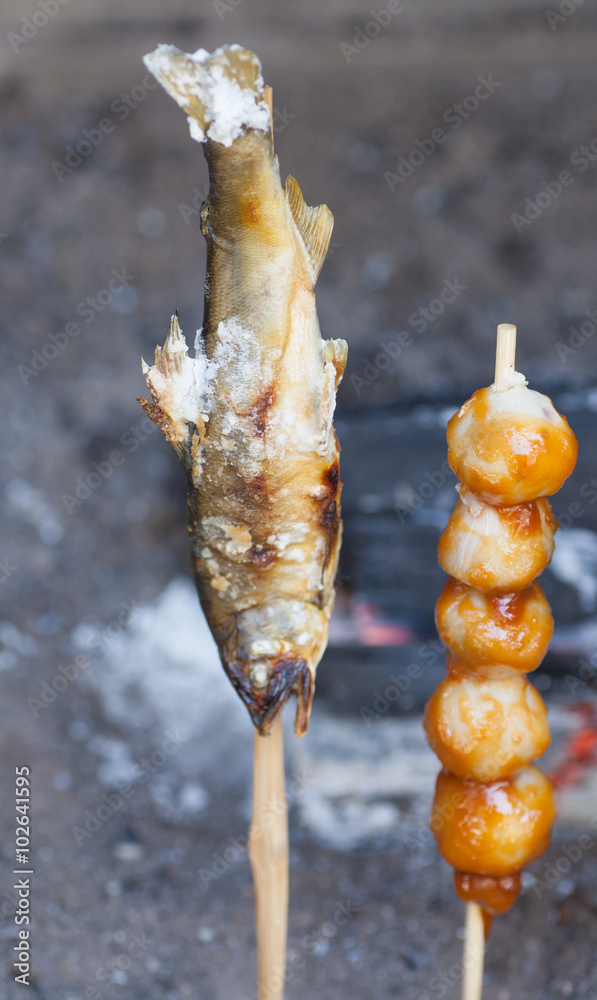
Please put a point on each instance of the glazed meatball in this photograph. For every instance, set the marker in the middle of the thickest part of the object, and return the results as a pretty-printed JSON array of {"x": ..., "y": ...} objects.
[
  {"x": 497, "y": 548},
  {"x": 509, "y": 444},
  {"x": 513, "y": 629},
  {"x": 487, "y": 724},
  {"x": 493, "y": 828},
  {"x": 495, "y": 895}
]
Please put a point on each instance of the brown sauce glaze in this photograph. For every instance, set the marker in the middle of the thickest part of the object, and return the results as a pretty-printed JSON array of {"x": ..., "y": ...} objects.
[
  {"x": 496, "y": 895},
  {"x": 524, "y": 518},
  {"x": 493, "y": 828},
  {"x": 509, "y": 457},
  {"x": 483, "y": 628}
]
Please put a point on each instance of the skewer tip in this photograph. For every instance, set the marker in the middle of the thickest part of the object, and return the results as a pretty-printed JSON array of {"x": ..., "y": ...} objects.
[{"x": 505, "y": 352}]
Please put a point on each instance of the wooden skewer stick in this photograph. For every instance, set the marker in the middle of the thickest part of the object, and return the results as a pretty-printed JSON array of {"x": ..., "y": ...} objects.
[
  {"x": 474, "y": 939},
  {"x": 473, "y": 954},
  {"x": 505, "y": 352},
  {"x": 268, "y": 852},
  {"x": 268, "y": 838}
]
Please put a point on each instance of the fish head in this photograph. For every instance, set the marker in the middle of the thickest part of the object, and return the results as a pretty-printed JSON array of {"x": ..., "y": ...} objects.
[{"x": 271, "y": 653}]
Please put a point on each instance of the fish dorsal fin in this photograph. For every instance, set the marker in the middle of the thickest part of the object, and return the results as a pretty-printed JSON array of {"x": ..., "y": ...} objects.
[{"x": 314, "y": 224}]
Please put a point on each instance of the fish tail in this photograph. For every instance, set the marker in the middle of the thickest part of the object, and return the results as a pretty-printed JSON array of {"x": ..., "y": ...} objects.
[{"x": 223, "y": 94}]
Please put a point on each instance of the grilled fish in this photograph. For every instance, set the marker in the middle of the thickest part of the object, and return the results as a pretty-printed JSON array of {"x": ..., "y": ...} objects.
[{"x": 250, "y": 416}]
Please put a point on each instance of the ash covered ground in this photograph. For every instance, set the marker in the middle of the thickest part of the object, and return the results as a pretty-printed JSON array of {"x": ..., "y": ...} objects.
[{"x": 150, "y": 895}]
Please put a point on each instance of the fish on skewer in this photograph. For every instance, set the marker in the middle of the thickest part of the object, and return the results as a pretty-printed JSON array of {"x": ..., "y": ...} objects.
[{"x": 250, "y": 415}]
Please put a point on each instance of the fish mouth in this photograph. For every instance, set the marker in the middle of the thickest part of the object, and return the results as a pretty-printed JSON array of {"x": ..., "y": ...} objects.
[{"x": 285, "y": 676}]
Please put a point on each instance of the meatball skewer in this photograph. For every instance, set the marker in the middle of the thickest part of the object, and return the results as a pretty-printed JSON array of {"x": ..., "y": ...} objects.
[{"x": 493, "y": 809}]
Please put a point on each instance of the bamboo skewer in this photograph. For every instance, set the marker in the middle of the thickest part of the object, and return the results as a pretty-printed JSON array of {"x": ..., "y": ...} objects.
[
  {"x": 474, "y": 953},
  {"x": 268, "y": 852},
  {"x": 474, "y": 940},
  {"x": 268, "y": 839},
  {"x": 505, "y": 352}
]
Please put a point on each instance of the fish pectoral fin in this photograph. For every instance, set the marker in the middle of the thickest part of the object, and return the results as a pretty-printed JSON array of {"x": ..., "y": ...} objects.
[
  {"x": 176, "y": 383},
  {"x": 170, "y": 431},
  {"x": 314, "y": 224},
  {"x": 336, "y": 351}
]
